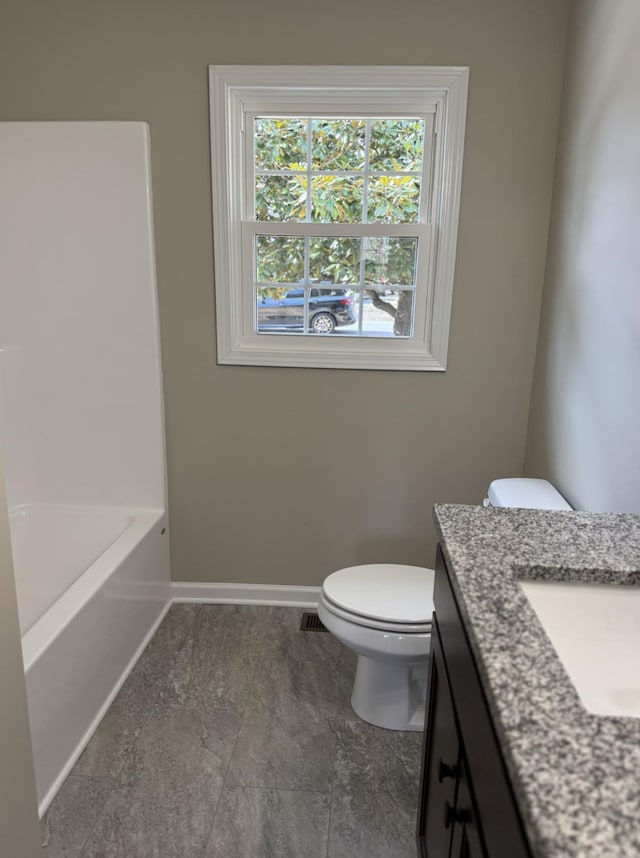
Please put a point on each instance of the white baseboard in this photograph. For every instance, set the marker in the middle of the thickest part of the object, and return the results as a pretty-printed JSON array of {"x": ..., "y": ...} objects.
[{"x": 246, "y": 594}]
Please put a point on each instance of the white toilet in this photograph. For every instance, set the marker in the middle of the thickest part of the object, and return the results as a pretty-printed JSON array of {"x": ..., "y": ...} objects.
[{"x": 383, "y": 613}]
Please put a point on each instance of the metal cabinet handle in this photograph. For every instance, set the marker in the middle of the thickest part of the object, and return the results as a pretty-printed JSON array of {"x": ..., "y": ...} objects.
[
  {"x": 455, "y": 814},
  {"x": 446, "y": 770}
]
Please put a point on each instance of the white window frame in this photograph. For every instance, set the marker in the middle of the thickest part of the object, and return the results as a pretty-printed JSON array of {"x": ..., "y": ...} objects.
[{"x": 237, "y": 93}]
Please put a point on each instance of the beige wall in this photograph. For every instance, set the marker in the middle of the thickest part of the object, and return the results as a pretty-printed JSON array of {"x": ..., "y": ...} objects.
[
  {"x": 282, "y": 475},
  {"x": 19, "y": 834},
  {"x": 585, "y": 416}
]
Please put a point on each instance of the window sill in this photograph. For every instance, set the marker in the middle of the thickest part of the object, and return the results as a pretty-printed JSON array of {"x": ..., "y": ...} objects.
[{"x": 320, "y": 352}]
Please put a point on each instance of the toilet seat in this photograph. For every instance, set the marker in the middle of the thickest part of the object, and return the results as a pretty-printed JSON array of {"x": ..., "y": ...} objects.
[
  {"x": 385, "y": 596},
  {"x": 369, "y": 623}
]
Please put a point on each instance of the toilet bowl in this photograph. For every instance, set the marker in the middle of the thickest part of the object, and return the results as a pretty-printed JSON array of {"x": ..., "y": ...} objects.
[{"x": 383, "y": 613}]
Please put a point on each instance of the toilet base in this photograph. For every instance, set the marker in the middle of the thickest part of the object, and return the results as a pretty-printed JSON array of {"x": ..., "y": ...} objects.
[{"x": 390, "y": 695}]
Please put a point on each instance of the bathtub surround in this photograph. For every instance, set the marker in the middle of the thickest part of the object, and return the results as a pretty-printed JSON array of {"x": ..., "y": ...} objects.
[
  {"x": 81, "y": 420},
  {"x": 233, "y": 736}
]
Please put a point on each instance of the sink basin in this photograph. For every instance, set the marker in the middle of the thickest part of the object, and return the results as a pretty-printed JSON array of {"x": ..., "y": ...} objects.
[{"x": 595, "y": 630}]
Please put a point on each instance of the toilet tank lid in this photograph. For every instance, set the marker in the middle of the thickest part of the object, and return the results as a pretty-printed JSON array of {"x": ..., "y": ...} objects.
[{"x": 526, "y": 493}]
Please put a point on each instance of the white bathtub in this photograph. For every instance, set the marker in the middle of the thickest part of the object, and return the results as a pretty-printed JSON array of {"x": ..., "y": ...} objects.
[{"x": 93, "y": 585}]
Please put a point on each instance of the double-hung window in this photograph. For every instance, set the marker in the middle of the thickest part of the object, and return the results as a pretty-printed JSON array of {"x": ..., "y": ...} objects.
[{"x": 335, "y": 208}]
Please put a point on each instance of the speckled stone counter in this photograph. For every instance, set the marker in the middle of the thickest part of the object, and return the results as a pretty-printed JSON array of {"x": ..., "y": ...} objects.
[{"x": 576, "y": 776}]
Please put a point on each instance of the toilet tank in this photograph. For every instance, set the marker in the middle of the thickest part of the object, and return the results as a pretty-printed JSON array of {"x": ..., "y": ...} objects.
[{"x": 525, "y": 493}]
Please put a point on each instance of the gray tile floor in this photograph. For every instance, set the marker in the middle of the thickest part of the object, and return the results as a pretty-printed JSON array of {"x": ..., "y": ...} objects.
[{"x": 233, "y": 736}]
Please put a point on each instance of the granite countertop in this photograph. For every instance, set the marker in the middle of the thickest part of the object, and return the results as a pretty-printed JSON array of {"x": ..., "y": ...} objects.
[{"x": 576, "y": 776}]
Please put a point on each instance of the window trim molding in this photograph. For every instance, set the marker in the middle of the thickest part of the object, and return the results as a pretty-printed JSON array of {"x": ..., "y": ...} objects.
[{"x": 234, "y": 91}]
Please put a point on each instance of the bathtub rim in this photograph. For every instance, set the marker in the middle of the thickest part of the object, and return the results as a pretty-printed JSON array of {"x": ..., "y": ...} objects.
[
  {"x": 19, "y": 515},
  {"x": 44, "y": 632}
]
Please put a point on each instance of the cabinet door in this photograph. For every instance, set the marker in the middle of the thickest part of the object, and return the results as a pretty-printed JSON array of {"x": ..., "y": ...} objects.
[
  {"x": 440, "y": 761},
  {"x": 466, "y": 840},
  {"x": 488, "y": 781}
]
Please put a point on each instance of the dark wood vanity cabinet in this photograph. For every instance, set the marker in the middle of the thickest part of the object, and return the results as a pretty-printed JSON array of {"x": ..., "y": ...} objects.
[{"x": 467, "y": 808}]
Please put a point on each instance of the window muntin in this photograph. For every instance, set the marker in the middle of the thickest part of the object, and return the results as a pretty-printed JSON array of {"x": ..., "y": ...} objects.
[{"x": 296, "y": 94}]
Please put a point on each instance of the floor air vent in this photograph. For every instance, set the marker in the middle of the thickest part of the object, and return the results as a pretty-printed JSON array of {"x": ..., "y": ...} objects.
[{"x": 311, "y": 623}]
